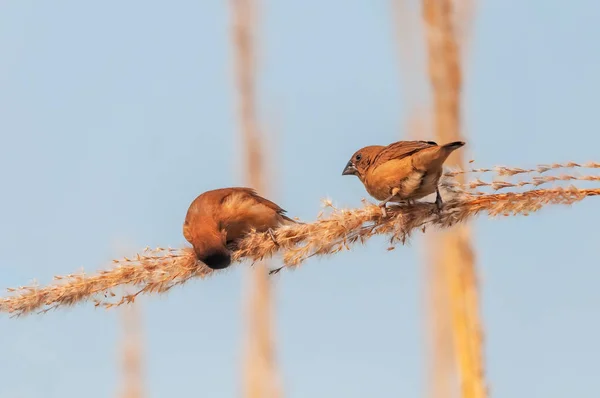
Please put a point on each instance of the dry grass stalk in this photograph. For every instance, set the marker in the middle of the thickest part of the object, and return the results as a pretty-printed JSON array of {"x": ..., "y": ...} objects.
[
  {"x": 442, "y": 363},
  {"x": 502, "y": 173},
  {"x": 512, "y": 171},
  {"x": 534, "y": 182},
  {"x": 439, "y": 326},
  {"x": 132, "y": 353},
  {"x": 260, "y": 372},
  {"x": 455, "y": 257},
  {"x": 464, "y": 12},
  {"x": 441, "y": 268},
  {"x": 410, "y": 52},
  {"x": 158, "y": 270},
  {"x": 259, "y": 367},
  {"x": 243, "y": 32},
  {"x": 418, "y": 126}
]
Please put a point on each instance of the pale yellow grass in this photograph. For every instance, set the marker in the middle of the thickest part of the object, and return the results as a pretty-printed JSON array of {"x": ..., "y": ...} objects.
[
  {"x": 454, "y": 275},
  {"x": 412, "y": 61},
  {"x": 260, "y": 373},
  {"x": 438, "y": 328},
  {"x": 132, "y": 361},
  {"x": 159, "y": 270},
  {"x": 502, "y": 171}
]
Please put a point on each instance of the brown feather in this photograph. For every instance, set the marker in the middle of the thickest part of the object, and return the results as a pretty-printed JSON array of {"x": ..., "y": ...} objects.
[
  {"x": 409, "y": 170},
  {"x": 217, "y": 219},
  {"x": 401, "y": 149}
]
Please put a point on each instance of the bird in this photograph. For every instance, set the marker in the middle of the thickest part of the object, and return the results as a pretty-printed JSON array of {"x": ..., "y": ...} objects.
[
  {"x": 401, "y": 171},
  {"x": 217, "y": 219}
]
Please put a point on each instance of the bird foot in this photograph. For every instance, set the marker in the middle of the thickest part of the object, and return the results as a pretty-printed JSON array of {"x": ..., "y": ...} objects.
[
  {"x": 384, "y": 203},
  {"x": 383, "y": 209},
  {"x": 272, "y": 236},
  {"x": 438, "y": 203},
  {"x": 275, "y": 271},
  {"x": 409, "y": 202}
]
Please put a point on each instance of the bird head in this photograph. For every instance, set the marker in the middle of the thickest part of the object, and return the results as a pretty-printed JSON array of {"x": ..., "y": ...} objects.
[
  {"x": 215, "y": 257},
  {"x": 210, "y": 245},
  {"x": 361, "y": 160}
]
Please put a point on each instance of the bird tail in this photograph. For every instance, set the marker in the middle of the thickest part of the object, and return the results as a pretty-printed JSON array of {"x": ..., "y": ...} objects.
[
  {"x": 435, "y": 156},
  {"x": 289, "y": 221},
  {"x": 452, "y": 146}
]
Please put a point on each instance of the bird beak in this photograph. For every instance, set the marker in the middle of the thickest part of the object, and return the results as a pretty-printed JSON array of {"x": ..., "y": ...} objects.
[{"x": 350, "y": 169}]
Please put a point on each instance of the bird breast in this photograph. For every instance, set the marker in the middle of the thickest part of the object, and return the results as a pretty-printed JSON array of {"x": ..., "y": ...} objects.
[{"x": 412, "y": 183}]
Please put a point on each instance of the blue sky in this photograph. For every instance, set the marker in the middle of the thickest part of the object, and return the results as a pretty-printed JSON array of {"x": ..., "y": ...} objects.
[{"x": 114, "y": 116}]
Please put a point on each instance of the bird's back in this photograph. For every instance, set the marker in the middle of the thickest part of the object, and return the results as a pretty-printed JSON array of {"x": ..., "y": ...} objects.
[
  {"x": 402, "y": 149},
  {"x": 237, "y": 210},
  {"x": 244, "y": 210}
]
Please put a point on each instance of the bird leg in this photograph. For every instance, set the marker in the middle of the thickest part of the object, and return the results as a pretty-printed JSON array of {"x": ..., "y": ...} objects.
[
  {"x": 384, "y": 203},
  {"x": 438, "y": 200},
  {"x": 272, "y": 236},
  {"x": 276, "y": 270}
]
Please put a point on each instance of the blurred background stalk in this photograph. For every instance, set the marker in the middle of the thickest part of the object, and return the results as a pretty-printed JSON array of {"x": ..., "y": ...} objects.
[
  {"x": 452, "y": 273},
  {"x": 260, "y": 380}
]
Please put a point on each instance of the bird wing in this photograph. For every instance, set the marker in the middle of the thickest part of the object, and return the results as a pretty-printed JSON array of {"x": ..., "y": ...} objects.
[
  {"x": 251, "y": 195},
  {"x": 243, "y": 209},
  {"x": 401, "y": 149},
  {"x": 259, "y": 199}
]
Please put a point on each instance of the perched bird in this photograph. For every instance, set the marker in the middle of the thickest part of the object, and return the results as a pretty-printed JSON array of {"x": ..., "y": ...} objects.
[
  {"x": 401, "y": 171},
  {"x": 217, "y": 219}
]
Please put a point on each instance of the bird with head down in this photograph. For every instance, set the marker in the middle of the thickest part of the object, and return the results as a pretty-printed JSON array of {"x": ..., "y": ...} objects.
[{"x": 217, "y": 219}]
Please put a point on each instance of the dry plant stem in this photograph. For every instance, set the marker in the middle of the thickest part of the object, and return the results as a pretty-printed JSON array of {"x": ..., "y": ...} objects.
[
  {"x": 535, "y": 181},
  {"x": 442, "y": 266},
  {"x": 243, "y": 31},
  {"x": 463, "y": 22},
  {"x": 511, "y": 171},
  {"x": 159, "y": 270},
  {"x": 442, "y": 364},
  {"x": 259, "y": 367},
  {"x": 455, "y": 257},
  {"x": 132, "y": 353},
  {"x": 441, "y": 355},
  {"x": 410, "y": 52}
]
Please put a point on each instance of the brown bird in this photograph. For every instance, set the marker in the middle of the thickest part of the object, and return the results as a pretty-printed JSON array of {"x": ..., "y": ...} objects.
[
  {"x": 401, "y": 171},
  {"x": 217, "y": 219}
]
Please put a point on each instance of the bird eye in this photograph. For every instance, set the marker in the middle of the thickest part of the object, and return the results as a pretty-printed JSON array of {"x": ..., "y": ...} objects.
[{"x": 358, "y": 157}]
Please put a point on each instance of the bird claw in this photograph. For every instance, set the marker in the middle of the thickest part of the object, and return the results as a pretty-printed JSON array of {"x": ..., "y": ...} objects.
[
  {"x": 383, "y": 209},
  {"x": 438, "y": 203},
  {"x": 384, "y": 203},
  {"x": 275, "y": 271},
  {"x": 272, "y": 236}
]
